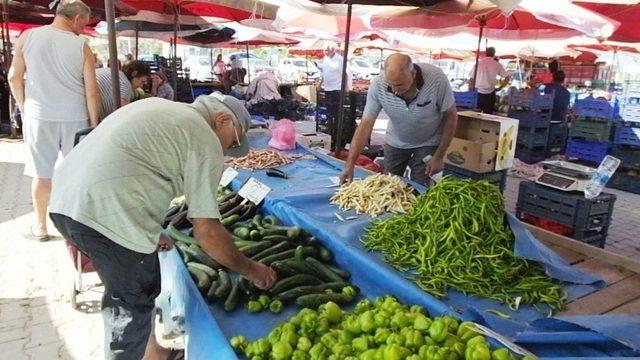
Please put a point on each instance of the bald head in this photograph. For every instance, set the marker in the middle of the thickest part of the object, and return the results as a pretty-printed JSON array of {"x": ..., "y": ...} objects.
[{"x": 399, "y": 73}]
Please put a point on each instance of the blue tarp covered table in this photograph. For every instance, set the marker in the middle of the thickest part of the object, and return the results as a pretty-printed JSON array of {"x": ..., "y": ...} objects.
[{"x": 303, "y": 200}]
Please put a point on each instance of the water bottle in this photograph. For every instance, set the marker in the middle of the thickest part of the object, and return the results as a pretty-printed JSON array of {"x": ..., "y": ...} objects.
[{"x": 606, "y": 169}]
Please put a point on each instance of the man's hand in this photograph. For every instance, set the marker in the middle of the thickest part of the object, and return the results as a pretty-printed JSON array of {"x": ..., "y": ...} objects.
[
  {"x": 347, "y": 175},
  {"x": 434, "y": 165},
  {"x": 165, "y": 243},
  {"x": 262, "y": 276}
]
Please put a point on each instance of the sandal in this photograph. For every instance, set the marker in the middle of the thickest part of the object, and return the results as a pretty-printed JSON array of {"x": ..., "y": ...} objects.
[{"x": 31, "y": 235}]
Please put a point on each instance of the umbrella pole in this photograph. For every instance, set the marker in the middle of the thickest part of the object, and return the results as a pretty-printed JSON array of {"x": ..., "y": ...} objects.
[
  {"x": 211, "y": 61},
  {"x": 137, "y": 38},
  {"x": 381, "y": 58},
  {"x": 248, "y": 66},
  {"x": 113, "y": 51},
  {"x": 343, "y": 85},
  {"x": 306, "y": 64},
  {"x": 175, "y": 51},
  {"x": 6, "y": 37},
  {"x": 475, "y": 69}
]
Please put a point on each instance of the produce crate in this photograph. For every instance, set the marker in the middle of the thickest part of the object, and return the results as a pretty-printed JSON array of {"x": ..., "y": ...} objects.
[
  {"x": 631, "y": 112},
  {"x": 587, "y": 150},
  {"x": 629, "y": 156},
  {"x": 567, "y": 208},
  {"x": 531, "y": 100},
  {"x": 596, "y": 238},
  {"x": 531, "y": 155},
  {"x": 591, "y": 129},
  {"x": 466, "y": 99},
  {"x": 533, "y": 137},
  {"x": 530, "y": 119},
  {"x": 627, "y": 135},
  {"x": 557, "y": 141},
  {"x": 625, "y": 182},
  {"x": 596, "y": 108},
  {"x": 498, "y": 178}
]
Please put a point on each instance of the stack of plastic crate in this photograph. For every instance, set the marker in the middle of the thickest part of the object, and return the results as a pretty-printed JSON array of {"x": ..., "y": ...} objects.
[
  {"x": 533, "y": 110},
  {"x": 626, "y": 142},
  {"x": 591, "y": 130},
  {"x": 557, "y": 141},
  {"x": 497, "y": 178},
  {"x": 466, "y": 99}
]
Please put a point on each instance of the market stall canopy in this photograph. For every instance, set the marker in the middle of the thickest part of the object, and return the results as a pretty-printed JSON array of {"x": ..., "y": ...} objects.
[
  {"x": 206, "y": 33},
  {"x": 626, "y": 14}
]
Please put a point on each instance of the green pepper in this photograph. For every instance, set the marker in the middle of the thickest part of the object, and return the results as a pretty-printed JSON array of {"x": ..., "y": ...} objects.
[
  {"x": 466, "y": 331},
  {"x": 395, "y": 352},
  {"x": 421, "y": 323},
  {"x": 478, "y": 339},
  {"x": 304, "y": 344},
  {"x": 250, "y": 350},
  {"x": 382, "y": 318},
  {"x": 367, "y": 324},
  {"x": 275, "y": 306},
  {"x": 477, "y": 352},
  {"x": 238, "y": 343},
  {"x": 414, "y": 339},
  {"x": 397, "y": 339},
  {"x": 262, "y": 347},
  {"x": 308, "y": 325},
  {"x": 459, "y": 348},
  {"x": 322, "y": 327},
  {"x": 318, "y": 352},
  {"x": 417, "y": 309},
  {"x": 296, "y": 320},
  {"x": 362, "y": 306},
  {"x": 447, "y": 354},
  {"x": 368, "y": 355},
  {"x": 350, "y": 291},
  {"x": 341, "y": 351},
  {"x": 360, "y": 344},
  {"x": 452, "y": 323},
  {"x": 423, "y": 351},
  {"x": 381, "y": 336},
  {"x": 274, "y": 335},
  {"x": 281, "y": 350},
  {"x": 289, "y": 337},
  {"x": 345, "y": 337},
  {"x": 451, "y": 340},
  {"x": 413, "y": 357},
  {"x": 352, "y": 325},
  {"x": 299, "y": 355},
  {"x": 438, "y": 330},
  {"x": 254, "y": 306},
  {"x": 399, "y": 321},
  {"x": 257, "y": 357},
  {"x": 264, "y": 300},
  {"x": 501, "y": 354},
  {"x": 329, "y": 340},
  {"x": 428, "y": 340},
  {"x": 332, "y": 312}
]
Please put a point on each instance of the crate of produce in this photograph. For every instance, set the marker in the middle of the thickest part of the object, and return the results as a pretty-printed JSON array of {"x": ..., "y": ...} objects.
[
  {"x": 557, "y": 141},
  {"x": 596, "y": 108},
  {"x": 622, "y": 180},
  {"x": 592, "y": 129},
  {"x": 595, "y": 238},
  {"x": 498, "y": 178},
  {"x": 587, "y": 150},
  {"x": 531, "y": 100},
  {"x": 567, "y": 208},
  {"x": 530, "y": 119},
  {"x": 533, "y": 137},
  {"x": 629, "y": 156},
  {"x": 627, "y": 135},
  {"x": 466, "y": 99},
  {"x": 531, "y": 155}
]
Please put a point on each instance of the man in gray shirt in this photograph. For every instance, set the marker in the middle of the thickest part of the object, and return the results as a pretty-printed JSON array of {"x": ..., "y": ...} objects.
[{"x": 419, "y": 102}]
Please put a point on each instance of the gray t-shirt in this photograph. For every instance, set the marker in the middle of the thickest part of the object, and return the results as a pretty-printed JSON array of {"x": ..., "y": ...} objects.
[
  {"x": 419, "y": 123},
  {"x": 121, "y": 178}
]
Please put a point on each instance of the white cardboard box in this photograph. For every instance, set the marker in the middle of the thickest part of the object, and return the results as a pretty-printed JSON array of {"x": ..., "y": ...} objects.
[
  {"x": 305, "y": 127},
  {"x": 314, "y": 140}
]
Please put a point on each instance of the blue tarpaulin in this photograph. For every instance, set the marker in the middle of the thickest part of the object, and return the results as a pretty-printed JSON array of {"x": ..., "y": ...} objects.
[{"x": 303, "y": 199}]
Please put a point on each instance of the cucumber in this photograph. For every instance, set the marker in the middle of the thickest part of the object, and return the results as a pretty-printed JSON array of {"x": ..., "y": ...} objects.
[
  {"x": 223, "y": 207},
  {"x": 340, "y": 272},
  {"x": 243, "y": 243},
  {"x": 255, "y": 235},
  {"x": 257, "y": 221},
  {"x": 225, "y": 198},
  {"x": 269, "y": 220},
  {"x": 228, "y": 221},
  {"x": 307, "y": 250},
  {"x": 294, "y": 293},
  {"x": 272, "y": 232},
  {"x": 177, "y": 235},
  {"x": 181, "y": 250},
  {"x": 225, "y": 285},
  {"x": 311, "y": 240},
  {"x": 247, "y": 287},
  {"x": 209, "y": 271},
  {"x": 180, "y": 220},
  {"x": 292, "y": 232},
  {"x": 234, "y": 211},
  {"x": 322, "y": 271},
  {"x": 203, "y": 281},
  {"x": 293, "y": 282},
  {"x": 277, "y": 248},
  {"x": 242, "y": 232},
  {"x": 283, "y": 270},
  {"x": 196, "y": 252},
  {"x": 312, "y": 301},
  {"x": 256, "y": 248},
  {"x": 247, "y": 211},
  {"x": 324, "y": 254},
  {"x": 275, "y": 238},
  {"x": 212, "y": 289},
  {"x": 300, "y": 267},
  {"x": 231, "y": 303}
]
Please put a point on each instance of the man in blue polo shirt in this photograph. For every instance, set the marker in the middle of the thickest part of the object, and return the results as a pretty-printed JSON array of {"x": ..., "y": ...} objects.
[{"x": 419, "y": 102}]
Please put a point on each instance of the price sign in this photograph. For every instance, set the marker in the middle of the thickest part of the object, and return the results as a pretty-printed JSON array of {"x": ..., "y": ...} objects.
[
  {"x": 227, "y": 176},
  {"x": 254, "y": 191}
]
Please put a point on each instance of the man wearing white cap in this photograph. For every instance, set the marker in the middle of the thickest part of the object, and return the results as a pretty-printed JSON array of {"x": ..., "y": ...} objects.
[{"x": 110, "y": 195}]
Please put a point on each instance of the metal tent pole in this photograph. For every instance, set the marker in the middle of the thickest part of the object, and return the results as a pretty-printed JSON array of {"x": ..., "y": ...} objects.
[
  {"x": 113, "y": 51},
  {"x": 343, "y": 85},
  {"x": 248, "y": 66},
  {"x": 475, "y": 70},
  {"x": 137, "y": 39},
  {"x": 175, "y": 53}
]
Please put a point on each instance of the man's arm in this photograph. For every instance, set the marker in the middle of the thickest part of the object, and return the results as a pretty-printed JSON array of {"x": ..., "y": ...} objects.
[
  {"x": 216, "y": 242},
  {"x": 92, "y": 93},
  {"x": 16, "y": 75},
  {"x": 359, "y": 140},
  {"x": 449, "y": 123}
]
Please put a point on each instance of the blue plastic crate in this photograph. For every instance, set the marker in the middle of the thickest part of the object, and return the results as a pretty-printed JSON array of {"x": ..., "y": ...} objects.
[
  {"x": 466, "y": 100},
  {"x": 533, "y": 137},
  {"x": 587, "y": 150},
  {"x": 596, "y": 108},
  {"x": 531, "y": 100},
  {"x": 530, "y": 119},
  {"x": 627, "y": 135}
]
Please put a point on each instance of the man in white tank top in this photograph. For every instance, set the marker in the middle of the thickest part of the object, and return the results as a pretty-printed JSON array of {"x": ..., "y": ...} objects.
[{"x": 53, "y": 80}]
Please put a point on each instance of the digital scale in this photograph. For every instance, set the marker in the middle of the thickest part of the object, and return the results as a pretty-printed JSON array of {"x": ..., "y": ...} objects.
[{"x": 565, "y": 176}]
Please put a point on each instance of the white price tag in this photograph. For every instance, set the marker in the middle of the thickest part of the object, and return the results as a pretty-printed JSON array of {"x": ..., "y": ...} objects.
[
  {"x": 227, "y": 176},
  {"x": 254, "y": 191}
]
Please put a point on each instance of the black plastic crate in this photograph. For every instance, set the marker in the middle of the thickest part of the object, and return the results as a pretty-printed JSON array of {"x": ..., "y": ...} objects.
[
  {"x": 533, "y": 137},
  {"x": 596, "y": 238},
  {"x": 557, "y": 141},
  {"x": 622, "y": 181},
  {"x": 498, "y": 178},
  {"x": 530, "y": 118},
  {"x": 628, "y": 155},
  {"x": 531, "y": 155},
  {"x": 567, "y": 208}
]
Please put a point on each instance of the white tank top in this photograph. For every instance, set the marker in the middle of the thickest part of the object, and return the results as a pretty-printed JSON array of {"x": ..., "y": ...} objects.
[{"x": 54, "y": 86}]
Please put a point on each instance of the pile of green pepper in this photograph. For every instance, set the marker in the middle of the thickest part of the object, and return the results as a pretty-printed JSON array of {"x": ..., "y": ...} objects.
[
  {"x": 456, "y": 237},
  {"x": 379, "y": 330}
]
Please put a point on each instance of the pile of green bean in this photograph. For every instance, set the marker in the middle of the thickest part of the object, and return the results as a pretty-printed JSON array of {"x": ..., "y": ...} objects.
[{"x": 456, "y": 237}]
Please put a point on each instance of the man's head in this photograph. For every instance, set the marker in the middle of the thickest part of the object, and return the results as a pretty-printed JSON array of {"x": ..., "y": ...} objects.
[
  {"x": 399, "y": 73},
  {"x": 75, "y": 13},
  {"x": 554, "y": 66},
  {"x": 230, "y": 122},
  {"x": 491, "y": 52},
  {"x": 558, "y": 77},
  {"x": 137, "y": 72},
  {"x": 330, "y": 49}
]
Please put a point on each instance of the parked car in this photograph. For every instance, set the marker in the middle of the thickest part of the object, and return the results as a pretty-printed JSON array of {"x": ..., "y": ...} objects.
[
  {"x": 199, "y": 68},
  {"x": 362, "y": 69},
  {"x": 256, "y": 66},
  {"x": 292, "y": 69}
]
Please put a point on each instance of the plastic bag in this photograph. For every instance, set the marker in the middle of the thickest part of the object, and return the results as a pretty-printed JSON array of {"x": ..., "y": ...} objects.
[{"x": 283, "y": 135}]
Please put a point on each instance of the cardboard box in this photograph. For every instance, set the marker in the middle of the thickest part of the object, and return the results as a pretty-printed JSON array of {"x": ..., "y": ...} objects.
[
  {"x": 483, "y": 143},
  {"x": 305, "y": 127},
  {"x": 305, "y": 93},
  {"x": 314, "y": 140}
]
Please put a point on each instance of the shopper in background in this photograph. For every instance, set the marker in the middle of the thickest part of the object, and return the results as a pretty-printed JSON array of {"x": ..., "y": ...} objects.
[
  {"x": 103, "y": 77},
  {"x": 486, "y": 79},
  {"x": 422, "y": 111},
  {"x": 219, "y": 68},
  {"x": 331, "y": 82},
  {"x": 561, "y": 96},
  {"x": 128, "y": 59},
  {"x": 59, "y": 97},
  {"x": 137, "y": 72},
  {"x": 547, "y": 77},
  {"x": 235, "y": 75},
  {"x": 165, "y": 149},
  {"x": 160, "y": 86}
]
